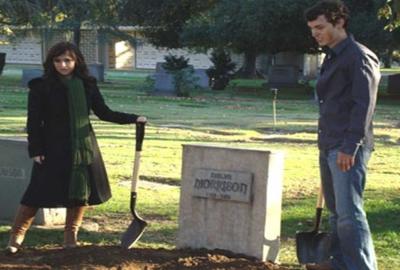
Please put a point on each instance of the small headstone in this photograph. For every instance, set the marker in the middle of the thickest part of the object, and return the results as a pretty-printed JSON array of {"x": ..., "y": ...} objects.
[
  {"x": 97, "y": 70},
  {"x": 15, "y": 172},
  {"x": 283, "y": 75},
  {"x": 164, "y": 82},
  {"x": 393, "y": 86},
  {"x": 29, "y": 74},
  {"x": 202, "y": 78}
]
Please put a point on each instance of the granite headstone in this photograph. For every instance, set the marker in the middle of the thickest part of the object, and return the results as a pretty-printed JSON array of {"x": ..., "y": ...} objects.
[
  {"x": 15, "y": 171},
  {"x": 283, "y": 75},
  {"x": 231, "y": 199}
]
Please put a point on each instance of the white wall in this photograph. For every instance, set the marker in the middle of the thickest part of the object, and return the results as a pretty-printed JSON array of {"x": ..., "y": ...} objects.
[{"x": 27, "y": 50}]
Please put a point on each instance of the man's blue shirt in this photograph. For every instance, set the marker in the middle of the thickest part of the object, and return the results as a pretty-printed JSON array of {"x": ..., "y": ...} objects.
[{"x": 347, "y": 90}]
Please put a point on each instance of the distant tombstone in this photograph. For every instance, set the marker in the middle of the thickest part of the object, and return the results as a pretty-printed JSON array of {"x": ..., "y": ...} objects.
[
  {"x": 15, "y": 171},
  {"x": 29, "y": 74},
  {"x": 283, "y": 75},
  {"x": 164, "y": 81},
  {"x": 202, "y": 78},
  {"x": 2, "y": 62},
  {"x": 393, "y": 86},
  {"x": 97, "y": 70}
]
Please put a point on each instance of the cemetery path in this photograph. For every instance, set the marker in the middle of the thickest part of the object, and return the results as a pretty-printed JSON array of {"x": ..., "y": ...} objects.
[{"x": 113, "y": 257}]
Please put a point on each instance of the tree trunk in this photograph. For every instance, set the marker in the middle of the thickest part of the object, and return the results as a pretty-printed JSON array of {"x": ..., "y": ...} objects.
[
  {"x": 77, "y": 35},
  {"x": 388, "y": 59},
  {"x": 248, "y": 69}
]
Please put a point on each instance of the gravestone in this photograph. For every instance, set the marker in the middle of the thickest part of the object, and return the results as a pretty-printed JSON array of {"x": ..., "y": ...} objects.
[
  {"x": 231, "y": 199},
  {"x": 15, "y": 171},
  {"x": 283, "y": 75},
  {"x": 202, "y": 78},
  {"x": 97, "y": 70},
  {"x": 2, "y": 62},
  {"x": 29, "y": 74},
  {"x": 393, "y": 86},
  {"x": 164, "y": 81}
]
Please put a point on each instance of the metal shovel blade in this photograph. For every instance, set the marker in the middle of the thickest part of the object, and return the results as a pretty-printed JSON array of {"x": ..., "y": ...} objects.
[
  {"x": 134, "y": 232},
  {"x": 313, "y": 247},
  {"x": 135, "y": 229}
]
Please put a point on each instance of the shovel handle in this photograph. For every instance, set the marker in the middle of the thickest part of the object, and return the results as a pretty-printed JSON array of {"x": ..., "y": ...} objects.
[
  {"x": 139, "y": 142},
  {"x": 139, "y": 135},
  {"x": 320, "y": 200},
  {"x": 320, "y": 207}
]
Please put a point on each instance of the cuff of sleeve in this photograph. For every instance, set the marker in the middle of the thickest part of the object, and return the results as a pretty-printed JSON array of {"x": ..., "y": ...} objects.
[
  {"x": 133, "y": 118},
  {"x": 350, "y": 148},
  {"x": 35, "y": 152}
]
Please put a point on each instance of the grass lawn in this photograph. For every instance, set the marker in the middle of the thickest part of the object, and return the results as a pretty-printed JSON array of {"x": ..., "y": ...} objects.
[{"x": 237, "y": 117}]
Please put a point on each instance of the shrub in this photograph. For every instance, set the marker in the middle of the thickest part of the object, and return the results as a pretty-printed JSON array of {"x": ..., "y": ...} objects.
[
  {"x": 222, "y": 71},
  {"x": 182, "y": 72}
]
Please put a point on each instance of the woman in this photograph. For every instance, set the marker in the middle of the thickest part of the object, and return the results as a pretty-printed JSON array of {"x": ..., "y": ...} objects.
[{"x": 68, "y": 169}]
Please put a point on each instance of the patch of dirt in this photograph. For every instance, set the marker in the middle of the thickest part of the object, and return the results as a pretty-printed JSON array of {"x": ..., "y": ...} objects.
[{"x": 113, "y": 257}]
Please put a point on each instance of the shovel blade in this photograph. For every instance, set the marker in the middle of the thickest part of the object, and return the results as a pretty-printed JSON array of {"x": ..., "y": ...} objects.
[
  {"x": 133, "y": 233},
  {"x": 313, "y": 247}
]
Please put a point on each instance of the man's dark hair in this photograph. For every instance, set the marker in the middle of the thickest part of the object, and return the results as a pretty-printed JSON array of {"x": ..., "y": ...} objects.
[{"x": 334, "y": 10}]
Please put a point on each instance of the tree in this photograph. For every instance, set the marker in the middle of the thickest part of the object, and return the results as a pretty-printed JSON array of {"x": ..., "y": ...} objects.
[
  {"x": 372, "y": 30},
  {"x": 251, "y": 27},
  {"x": 69, "y": 15},
  {"x": 390, "y": 10},
  {"x": 17, "y": 13},
  {"x": 162, "y": 21}
]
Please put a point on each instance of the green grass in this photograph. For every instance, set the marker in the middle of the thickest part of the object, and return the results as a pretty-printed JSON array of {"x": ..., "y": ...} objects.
[{"x": 240, "y": 116}]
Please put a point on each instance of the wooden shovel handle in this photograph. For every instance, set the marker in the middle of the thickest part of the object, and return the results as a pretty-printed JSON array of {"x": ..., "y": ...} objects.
[
  {"x": 139, "y": 142},
  {"x": 319, "y": 208},
  {"x": 320, "y": 200}
]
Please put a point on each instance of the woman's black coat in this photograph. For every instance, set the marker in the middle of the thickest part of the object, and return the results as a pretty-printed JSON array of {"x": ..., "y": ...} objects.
[{"x": 49, "y": 135}]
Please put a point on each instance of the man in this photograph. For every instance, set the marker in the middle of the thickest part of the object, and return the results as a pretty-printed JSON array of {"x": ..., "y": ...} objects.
[{"x": 347, "y": 90}]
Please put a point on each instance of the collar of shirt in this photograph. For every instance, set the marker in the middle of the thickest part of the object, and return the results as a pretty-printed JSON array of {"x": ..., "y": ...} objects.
[{"x": 339, "y": 47}]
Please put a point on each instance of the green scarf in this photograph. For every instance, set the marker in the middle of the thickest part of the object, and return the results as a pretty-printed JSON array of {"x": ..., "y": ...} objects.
[{"x": 81, "y": 145}]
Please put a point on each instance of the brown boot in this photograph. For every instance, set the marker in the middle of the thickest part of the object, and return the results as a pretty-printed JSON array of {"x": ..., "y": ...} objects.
[
  {"x": 73, "y": 221},
  {"x": 22, "y": 222}
]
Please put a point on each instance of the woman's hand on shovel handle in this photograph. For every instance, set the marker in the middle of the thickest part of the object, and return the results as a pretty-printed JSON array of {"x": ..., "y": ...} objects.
[
  {"x": 141, "y": 119},
  {"x": 39, "y": 159}
]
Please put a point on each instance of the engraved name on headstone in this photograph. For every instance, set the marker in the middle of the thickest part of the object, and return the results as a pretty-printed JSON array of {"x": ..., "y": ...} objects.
[
  {"x": 223, "y": 185},
  {"x": 15, "y": 173}
]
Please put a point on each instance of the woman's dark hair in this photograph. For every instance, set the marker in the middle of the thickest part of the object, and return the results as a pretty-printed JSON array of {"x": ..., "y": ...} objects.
[
  {"x": 334, "y": 10},
  {"x": 60, "y": 48}
]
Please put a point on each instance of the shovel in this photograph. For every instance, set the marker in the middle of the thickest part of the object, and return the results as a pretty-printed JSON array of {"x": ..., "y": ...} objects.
[
  {"x": 137, "y": 226},
  {"x": 314, "y": 246}
]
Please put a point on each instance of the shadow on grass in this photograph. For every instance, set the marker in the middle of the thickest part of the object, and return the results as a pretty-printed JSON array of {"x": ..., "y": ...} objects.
[
  {"x": 285, "y": 140},
  {"x": 282, "y": 131}
]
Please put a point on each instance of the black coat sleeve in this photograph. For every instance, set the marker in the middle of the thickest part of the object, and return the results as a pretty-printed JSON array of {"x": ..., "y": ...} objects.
[
  {"x": 35, "y": 119},
  {"x": 102, "y": 111}
]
